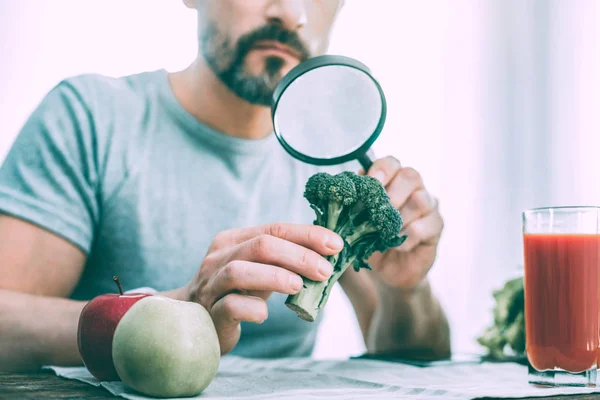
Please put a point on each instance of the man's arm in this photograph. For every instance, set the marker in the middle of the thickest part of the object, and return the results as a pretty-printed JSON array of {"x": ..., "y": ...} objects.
[
  {"x": 36, "y": 331},
  {"x": 407, "y": 323},
  {"x": 38, "y": 270},
  {"x": 407, "y": 320}
]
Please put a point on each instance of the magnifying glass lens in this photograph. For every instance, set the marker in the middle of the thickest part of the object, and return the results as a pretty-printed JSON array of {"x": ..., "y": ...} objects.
[{"x": 329, "y": 112}]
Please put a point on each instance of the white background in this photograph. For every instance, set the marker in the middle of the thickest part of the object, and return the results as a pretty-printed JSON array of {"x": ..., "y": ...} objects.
[{"x": 494, "y": 102}]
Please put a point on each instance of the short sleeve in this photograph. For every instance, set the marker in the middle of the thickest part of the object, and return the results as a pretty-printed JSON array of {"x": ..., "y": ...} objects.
[{"x": 49, "y": 176}]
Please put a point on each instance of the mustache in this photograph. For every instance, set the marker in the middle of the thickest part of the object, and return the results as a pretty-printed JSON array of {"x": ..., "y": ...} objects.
[{"x": 273, "y": 33}]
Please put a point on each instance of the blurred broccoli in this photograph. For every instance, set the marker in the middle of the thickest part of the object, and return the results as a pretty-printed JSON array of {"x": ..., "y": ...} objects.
[
  {"x": 508, "y": 328},
  {"x": 358, "y": 209}
]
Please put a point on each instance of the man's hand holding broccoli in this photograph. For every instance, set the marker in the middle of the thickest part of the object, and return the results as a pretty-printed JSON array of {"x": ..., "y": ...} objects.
[
  {"x": 407, "y": 266},
  {"x": 390, "y": 224},
  {"x": 396, "y": 307},
  {"x": 244, "y": 266},
  {"x": 372, "y": 214}
]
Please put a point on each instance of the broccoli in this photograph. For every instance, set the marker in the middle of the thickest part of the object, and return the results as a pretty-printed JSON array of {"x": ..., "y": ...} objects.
[
  {"x": 358, "y": 209},
  {"x": 508, "y": 328}
]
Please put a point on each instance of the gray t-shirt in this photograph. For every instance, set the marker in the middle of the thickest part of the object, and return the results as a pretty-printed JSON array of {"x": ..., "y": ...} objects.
[{"x": 117, "y": 167}]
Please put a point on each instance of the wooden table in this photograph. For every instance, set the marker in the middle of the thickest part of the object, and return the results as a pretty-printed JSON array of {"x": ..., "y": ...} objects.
[{"x": 46, "y": 385}]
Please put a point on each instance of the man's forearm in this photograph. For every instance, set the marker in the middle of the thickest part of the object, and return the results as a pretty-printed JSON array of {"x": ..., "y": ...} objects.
[
  {"x": 37, "y": 331},
  {"x": 409, "y": 323}
]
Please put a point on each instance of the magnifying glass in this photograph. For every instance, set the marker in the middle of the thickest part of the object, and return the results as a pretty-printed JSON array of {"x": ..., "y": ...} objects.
[{"x": 328, "y": 110}]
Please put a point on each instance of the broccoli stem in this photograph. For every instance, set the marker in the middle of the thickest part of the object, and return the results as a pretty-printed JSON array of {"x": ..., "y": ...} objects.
[
  {"x": 314, "y": 295},
  {"x": 361, "y": 232},
  {"x": 333, "y": 213}
]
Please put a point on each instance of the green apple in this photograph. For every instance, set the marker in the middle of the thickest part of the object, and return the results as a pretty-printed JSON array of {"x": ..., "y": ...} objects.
[{"x": 166, "y": 348}]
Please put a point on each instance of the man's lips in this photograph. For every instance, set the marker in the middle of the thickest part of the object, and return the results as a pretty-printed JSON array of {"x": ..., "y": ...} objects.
[{"x": 276, "y": 46}]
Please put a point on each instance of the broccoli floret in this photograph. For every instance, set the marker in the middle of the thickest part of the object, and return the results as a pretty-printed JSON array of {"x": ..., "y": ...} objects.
[
  {"x": 359, "y": 210},
  {"x": 330, "y": 196}
]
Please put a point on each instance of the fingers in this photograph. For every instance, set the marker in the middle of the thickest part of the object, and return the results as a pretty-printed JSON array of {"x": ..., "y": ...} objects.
[
  {"x": 314, "y": 237},
  {"x": 385, "y": 169},
  {"x": 420, "y": 218},
  {"x": 254, "y": 278},
  {"x": 235, "y": 308},
  {"x": 257, "y": 293},
  {"x": 419, "y": 204},
  {"x": 266, "y": 249},
  {"x": 228, "y": 312},
  {"x": 426, "y": 230},
  {"x": 266, "y": 259},
  {"x": 403, "y": 185}
]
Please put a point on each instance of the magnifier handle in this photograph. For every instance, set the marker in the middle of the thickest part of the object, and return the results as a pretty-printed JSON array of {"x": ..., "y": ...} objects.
[{"x": 365, "y": 162}]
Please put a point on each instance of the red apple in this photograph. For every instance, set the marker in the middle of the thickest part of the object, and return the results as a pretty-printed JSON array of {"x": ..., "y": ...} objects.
[{"x": 97, "y": 323}]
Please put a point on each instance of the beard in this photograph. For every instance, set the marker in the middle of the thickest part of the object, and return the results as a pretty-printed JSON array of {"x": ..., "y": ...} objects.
[{"x": 227, "y": 60}]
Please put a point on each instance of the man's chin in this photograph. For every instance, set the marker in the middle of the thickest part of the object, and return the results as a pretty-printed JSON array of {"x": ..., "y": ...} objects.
[{"x": 257, "y": 78}]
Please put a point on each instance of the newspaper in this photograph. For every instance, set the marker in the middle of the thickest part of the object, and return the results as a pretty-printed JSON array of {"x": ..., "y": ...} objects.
[{"x": 302, "y": 378}]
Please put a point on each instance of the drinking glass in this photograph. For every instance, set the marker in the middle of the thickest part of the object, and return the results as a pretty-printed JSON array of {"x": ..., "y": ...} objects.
[{"x": 562, "y": 294}]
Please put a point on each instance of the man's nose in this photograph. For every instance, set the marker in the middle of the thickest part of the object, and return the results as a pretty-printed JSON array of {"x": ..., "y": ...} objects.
[{"x": 290, "y": 14}]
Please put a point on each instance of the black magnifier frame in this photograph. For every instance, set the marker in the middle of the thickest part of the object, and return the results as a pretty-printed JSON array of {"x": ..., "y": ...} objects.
[{"x": 360, "y": 153}]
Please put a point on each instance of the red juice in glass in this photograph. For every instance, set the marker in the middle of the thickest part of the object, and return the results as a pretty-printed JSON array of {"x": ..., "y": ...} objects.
[{"x": 562, "y": 295}]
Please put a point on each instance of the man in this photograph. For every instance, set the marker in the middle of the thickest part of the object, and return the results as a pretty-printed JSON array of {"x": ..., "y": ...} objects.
[{"x": 173, "y": 181}]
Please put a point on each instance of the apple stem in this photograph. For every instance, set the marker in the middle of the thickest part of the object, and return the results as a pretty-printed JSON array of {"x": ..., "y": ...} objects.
[{"x": 116, "y": 279}]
